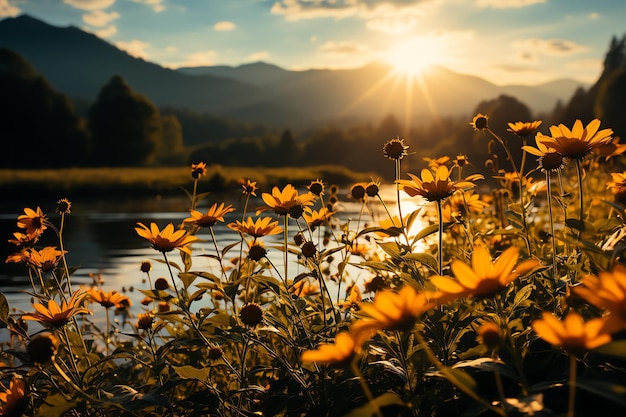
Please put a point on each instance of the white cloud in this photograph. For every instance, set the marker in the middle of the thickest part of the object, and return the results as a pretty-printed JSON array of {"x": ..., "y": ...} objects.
[
  {"x": 197, "y": 59},
  {"x": 100, "y": 18},
  {"x": 8, "y": 10},
  {"x": 89, "y": 4},
  {"x": 157, "y": 5},
  {"x": 343, "y": 48},
  {"x": 338, "y": 9},
  {"x": 531, "y": 48},
  {"x": 105, "y": 32},
  {"x": 506, "y": 4},
  {"x": 134, "y": 48},
  {"x": 171, "y": 49},
  {"x": 224, "y": 26},
  {"x": 258, "y": 56},
  {"x": 594, "y": 15}
]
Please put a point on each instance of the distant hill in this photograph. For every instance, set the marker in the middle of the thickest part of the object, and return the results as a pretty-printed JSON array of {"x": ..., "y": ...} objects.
[{"x": 79, "y": 64}]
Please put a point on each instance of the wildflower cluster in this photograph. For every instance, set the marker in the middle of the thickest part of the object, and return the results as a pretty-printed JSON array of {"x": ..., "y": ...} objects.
[{"x": 450, "y": 295}]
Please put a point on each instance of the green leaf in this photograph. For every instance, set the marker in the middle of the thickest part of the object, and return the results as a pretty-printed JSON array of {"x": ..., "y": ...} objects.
[
  {"x": 608, "y": 390},
  {"x": 423, "y": 258},
  {"x": 390, "y": 248},
  {"x": 187, "y": 278},
  {"x": 55, "y": 405},
  {"x": 373, "y": 407},
  {"x": 428, "y": 230},
  {"x": 522, "y": 295},
  {"x": 616, "y": 348}
]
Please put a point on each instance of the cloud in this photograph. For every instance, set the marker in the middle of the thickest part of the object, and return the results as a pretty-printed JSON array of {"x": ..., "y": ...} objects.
[
  {"x": 224, "y": 26},
  {"x": 507, "y": 4},
  {"x": 343, "y": 48},
  {"x": 594, "y": 15},
  {"x": 105, "y": 32},
  {"x": 197, "y": 59},
  {"x": 258, "y": 56},
  {"x": 134, "y": 48},
  {"x": 8, "y": 10},
  {"x": 531, "y": 48},
  {"x": 100, "y": 18},
  {"x": 89, "y": 4},
  {"x": 157, "y": 5},
  {"x": 338, "y": 9}
]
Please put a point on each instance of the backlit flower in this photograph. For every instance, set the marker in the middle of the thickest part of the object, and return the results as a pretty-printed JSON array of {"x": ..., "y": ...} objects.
[
  {"x": 618, "y": 182},
  {"x": 572, "y": 334},
  {"x": 467, "y": 201},
  {"x": 46, "y": 259},
  {"x": 607, "y": 291},
  {"x": 395, "y": 149},
  {"x": 54, "y": 315},
  {"x": 145, "y": 321},
  {"x": 251, "y": 314},
  {"x": 214, "y": 214},
  {"x": 393, "y": 310},
  {"x": 484, "y": 277},
  {"x": 304, "y": 288},
  {"x": 14, "y": 399},
  {"x": 249, "y": 187},
  {"x": 316, "y": 187},
  {"x": 107, "y": 299},
  {"x": 24, "y": 240},
  {"x": 34, "y": 221},
  {"x": 262, "y": 226},
  {"x": 549, "y": 159},
  {"x": 489, "y": 335},
  {"x": 357, "y": 191},
  {"x": 316, "y": 218},
  {"x": 433, "y": 188},
  {"x": 287, "y": 201},
  {"x": 166, "y": 240},
  {"x": 41, "y": 348},
  {"x": 611, "y": 149},
  {"x": 63, "y": 206},
  {"x": 198, "y": 170},
  {"x": 435, "y": 163},
  {"x": 339, "y": 353},
  {"x": 579, "y": 141},
  {"x": 523, "y": 129},
  {"x": 480, "y": 122}
]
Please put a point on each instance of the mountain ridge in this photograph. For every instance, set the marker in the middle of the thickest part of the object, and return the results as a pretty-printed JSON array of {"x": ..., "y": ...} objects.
[{"x": 79, "y": 63}]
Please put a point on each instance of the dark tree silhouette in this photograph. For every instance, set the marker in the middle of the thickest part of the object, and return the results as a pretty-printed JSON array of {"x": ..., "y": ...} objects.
[
  {"x": 611, "y": 102},
  {"x": 38, "y": 125},
  {"x": 125, "y": 126}
]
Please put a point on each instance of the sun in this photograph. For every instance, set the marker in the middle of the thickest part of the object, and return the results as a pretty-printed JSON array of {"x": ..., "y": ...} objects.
[{"x": 414, "y": 56}]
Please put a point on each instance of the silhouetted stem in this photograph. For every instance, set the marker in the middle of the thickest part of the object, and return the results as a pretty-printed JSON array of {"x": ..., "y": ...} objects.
[{"x": 572, "y": 386}]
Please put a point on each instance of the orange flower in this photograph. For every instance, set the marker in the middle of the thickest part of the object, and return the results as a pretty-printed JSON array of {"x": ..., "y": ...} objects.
[
  {"x": 45, "y": 259},
  {"x": 14, "y": 398},
  {"x": 198, "y": 170},
  {"x": 304, "y": 288},
  {"x": 480, "y": 122},
  {"x": 523, "y": 129},
  {"x": 572, "y": 334},
  {"x": 434, "y": 188},
  {"x": 394, "y": 310},
  {"x": 57, "y": 316},
  {"x": 339, "y": 354},
  {"x": 166, "y": 240},
  {"x": 617, "y": 183},
  {"x": 249, "y": 187},
  {"x": 213, "y": 215},
  {"x": 316, "y": 218},
  {"x": 579, "y": 141},
  {"x": 549, "y": 159},
  {"x": 34, "y": 221},
  {"x": 485, "y": 277},
  {"x": 262, "y": 226},
  {"x": 287, "y": 201},
  {"x": 24, "y": 240},
  {"x": 607, "y": 291},
  {"x": 395, "y": 149},
  {"x": 108, "y": 299}
]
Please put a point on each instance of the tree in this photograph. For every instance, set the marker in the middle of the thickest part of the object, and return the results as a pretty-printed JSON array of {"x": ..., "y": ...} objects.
[
  {"x": 171, "y": 148},
  {"x": 125, "y": 126},
  {"x": 38, "y": 125},
  {"x": 611, "y": 102}
]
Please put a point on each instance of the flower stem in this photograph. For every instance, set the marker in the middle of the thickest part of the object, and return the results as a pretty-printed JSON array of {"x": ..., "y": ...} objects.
[
  {"x": 572, "y": 386},
  {"x": 440, "y": 257}
]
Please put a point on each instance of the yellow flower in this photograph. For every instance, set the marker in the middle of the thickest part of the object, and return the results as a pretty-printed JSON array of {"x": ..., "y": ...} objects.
[
  {"x": 57, "y": 316},
  {"x": 214, "y": 214},
  {"x": 437, "y": 162},
  {"x": 523, "y": 129},
  {"x": 395, "y": 149},
  {"x": 287, "y": 201},
  {"x": 611, "y": 149},
  {"x": 198, "y": 170},
  {"x": 434, "y": 188},
  {"x": 166, "y": 240},
  {"x": 262, "y": 226},
  {"x": 316, "y": 187},
  {"x": 480, "y": 122},
  {"x": 316, "y": 218},
  {"x": 108, "y": 299},
  {"x": 572, "y": 334},
  {"x": 45, "y": 259},
  {"x": 304, "y": 288},
  {"x": 249, "y": 187},
  {"x": 467, "y": 201},
  {"x": 145, "y": 321},
  {"x": 24, "y": 240},
  {"x": 484, "y": 277},
  {"x": 394, "y": 310},
  {"x": 579, "y": 141},
  {"x": 618, "y": 182},
  {"x": 14, "y": 399},
  {"x": 549, "y": 159},
  {"x": 607, "y": 291},
  {"x": 34, "y": 221},
  {"x": 339, "y": 354}
]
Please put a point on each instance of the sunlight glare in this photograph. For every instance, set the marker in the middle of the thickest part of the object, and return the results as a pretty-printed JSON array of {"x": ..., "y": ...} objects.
[{"x": 416, "y": 55}]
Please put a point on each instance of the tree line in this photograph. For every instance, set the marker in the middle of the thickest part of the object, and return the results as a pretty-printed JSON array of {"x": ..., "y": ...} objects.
[{"x": 41, "y": 127}]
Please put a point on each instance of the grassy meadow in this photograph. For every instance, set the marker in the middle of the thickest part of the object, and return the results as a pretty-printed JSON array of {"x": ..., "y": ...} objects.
[{"x": 476, "y": 300}]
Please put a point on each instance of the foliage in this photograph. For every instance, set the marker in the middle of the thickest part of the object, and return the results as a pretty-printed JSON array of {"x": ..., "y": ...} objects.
[{"x": 505, "y": 300}]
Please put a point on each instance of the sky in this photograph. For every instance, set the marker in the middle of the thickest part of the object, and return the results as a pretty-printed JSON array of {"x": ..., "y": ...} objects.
[{"x": 503, "y": 41}]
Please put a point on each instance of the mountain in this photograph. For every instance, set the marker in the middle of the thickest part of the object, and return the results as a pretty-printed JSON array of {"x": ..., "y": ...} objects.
[{"x": 79, "y": 64}]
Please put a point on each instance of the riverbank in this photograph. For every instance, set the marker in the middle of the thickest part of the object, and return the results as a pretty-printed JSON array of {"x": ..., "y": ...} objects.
[{"x": 163, "y": 181}]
